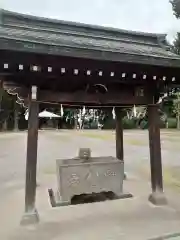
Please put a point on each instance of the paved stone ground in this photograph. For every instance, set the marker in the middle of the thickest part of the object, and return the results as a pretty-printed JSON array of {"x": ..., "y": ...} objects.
[{"x": 119, "y": 219}]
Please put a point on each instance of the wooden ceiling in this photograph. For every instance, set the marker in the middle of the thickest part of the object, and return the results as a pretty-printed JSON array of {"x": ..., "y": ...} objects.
[{"x": 71, "y": 74}]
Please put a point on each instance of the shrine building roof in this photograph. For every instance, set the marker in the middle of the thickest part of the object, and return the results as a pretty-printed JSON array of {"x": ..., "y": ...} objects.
[{"x": 25, "y": 33}]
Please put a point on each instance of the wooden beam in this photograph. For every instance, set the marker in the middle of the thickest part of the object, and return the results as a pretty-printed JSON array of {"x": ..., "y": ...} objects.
[
  {"x": 31, "y": 215},
  {"x": 1, "y": 92},
  {"x": 29, "y": 76},
  {"x": 14, "y": 59},
  {"x": 81, "y": 97},
  {"x": 157, "y": 196},
  {"x": 119, "y": 135}
]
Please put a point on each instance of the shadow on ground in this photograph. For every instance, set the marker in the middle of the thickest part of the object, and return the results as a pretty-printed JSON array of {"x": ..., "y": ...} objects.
[{"x": 94, "y": 197}]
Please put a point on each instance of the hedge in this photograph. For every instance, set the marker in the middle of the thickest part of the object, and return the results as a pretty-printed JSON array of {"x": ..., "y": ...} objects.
[
  {"x": 172, "y": 122},
  {"x": 127, "y": 123}
]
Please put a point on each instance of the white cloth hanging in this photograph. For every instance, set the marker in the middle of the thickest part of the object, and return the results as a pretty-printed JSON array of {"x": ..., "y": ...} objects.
[
  {"x": 62, "y": 111},
  {"x": 134, "y": 111},
  {"x": 84, "y": 111},
  {"x": 26, "y": 114},
  {"x": 113, "y": 113}
]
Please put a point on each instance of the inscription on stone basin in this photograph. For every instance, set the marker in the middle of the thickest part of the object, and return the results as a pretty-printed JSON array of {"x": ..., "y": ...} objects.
[{"x": 99, "y": 174}]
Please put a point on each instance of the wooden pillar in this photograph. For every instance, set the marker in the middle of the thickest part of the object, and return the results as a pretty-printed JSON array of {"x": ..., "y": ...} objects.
[
  {"x": 31, "y": 215},
  {"x": 157, "y": 196},
  {"x": 119, "y": 136},
  {"x": 1, "y": 93},
  {"x": 1, "y": 98},
  {"x": 16, "y": 118}
]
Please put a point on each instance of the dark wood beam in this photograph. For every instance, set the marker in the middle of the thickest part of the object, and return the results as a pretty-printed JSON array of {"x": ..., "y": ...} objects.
[
  {"x": 157, "y": 196},
  {"x": 56, "y": 76},
  {"x": 1, "y": 92},
  {"x": 119, "y": 134},
  {"x": 14, "y": 59},
  {"x": 31, "y": 215},
  {"x": 81, "y": 97}
]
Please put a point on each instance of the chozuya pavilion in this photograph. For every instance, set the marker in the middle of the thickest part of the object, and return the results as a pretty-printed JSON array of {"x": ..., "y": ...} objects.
[{"x": 74, "y": 64}]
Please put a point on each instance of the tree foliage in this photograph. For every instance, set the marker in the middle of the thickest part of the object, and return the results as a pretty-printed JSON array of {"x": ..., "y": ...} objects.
[
  {"x": 176, "y": 7},
  {"x": 176, "y": 44},
  {"x": 176, "y": 12},
  {"x": 176, "y": 108},
  {"x": 176, "y": 49}
]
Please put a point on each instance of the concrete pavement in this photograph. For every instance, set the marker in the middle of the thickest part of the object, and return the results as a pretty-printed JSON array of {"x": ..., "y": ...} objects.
[{"x": 132, "y": 218}]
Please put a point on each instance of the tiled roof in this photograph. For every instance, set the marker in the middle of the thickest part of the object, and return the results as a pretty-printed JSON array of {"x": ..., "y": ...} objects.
[{"x": 29, "y": 33}]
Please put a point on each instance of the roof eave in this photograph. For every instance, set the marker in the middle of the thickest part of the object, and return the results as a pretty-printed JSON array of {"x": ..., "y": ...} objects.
[{"x": 94, "y": 54}]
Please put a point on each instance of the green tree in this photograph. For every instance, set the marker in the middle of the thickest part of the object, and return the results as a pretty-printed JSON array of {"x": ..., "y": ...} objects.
[
  {"x": 176, "y": 109},
  {"x": 176, "y": 49},
  {"x": 176, "y": 7},
  {"x": 176, "y": 12},
  {"x": 6, "y": 103},
  {"x": 9, "y": 111}
]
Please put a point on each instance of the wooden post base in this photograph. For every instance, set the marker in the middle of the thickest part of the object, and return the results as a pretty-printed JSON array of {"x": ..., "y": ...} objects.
[
  {"x": 30, "y": 218},
  {"x": 158, "y": 198}
]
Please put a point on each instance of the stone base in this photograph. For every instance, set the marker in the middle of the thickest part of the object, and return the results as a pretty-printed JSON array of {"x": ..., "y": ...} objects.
[
  {"x": 53, "y": 200},
  {"x": 30, "y": 218},
  {"x": 82, "y": 199},
  {"x": 158, "y": 198}
]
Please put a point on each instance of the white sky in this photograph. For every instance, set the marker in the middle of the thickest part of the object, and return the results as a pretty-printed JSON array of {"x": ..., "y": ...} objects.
[{"x": 139, "y": 15}]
